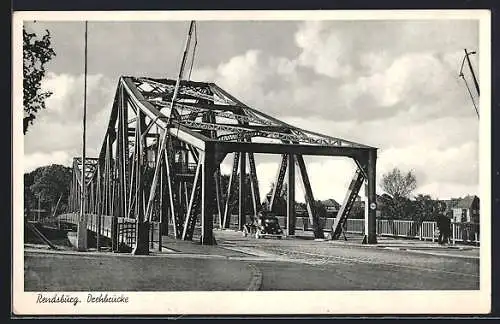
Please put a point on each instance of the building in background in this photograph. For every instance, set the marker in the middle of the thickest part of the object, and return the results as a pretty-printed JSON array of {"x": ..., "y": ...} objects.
[
  {"x": 332, "y": 207},
  {"x": 464, "y": 210}
]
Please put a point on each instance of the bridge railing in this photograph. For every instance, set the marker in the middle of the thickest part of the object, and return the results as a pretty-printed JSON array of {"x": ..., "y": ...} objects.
[
  {"x": 427, "y": 230},
  {"x": 126, "y": 227}
]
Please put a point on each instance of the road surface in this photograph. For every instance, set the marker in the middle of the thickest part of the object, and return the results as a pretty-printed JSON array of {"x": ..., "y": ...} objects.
[
  {"x": 301, "y": 264},
  {"x": 246, "y": 263}
]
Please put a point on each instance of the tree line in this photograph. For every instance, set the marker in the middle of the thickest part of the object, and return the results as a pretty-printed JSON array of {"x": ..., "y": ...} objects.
[
  {"x": 47, "y": 187},
  {"x": 50, "y": 185}
]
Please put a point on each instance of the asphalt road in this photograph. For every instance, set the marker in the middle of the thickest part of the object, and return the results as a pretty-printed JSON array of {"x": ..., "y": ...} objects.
[
  {"x": 111, "y": 272},
  {"x": 233, "y": 264},
  {"x": 295, "y": 264}
]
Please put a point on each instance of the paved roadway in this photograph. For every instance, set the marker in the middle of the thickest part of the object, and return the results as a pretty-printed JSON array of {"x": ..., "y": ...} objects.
[
  {"x": 245, "y": 263},
  {"x": 90, "y": 271},
  {"x": 302, "y": 264}
]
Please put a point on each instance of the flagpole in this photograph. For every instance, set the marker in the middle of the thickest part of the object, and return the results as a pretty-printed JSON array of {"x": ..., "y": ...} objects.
[{"x": 82, "y": 224}]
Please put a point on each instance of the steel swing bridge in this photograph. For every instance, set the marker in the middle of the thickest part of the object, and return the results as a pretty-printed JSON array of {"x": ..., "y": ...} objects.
[{"x": 161, "y": 155}]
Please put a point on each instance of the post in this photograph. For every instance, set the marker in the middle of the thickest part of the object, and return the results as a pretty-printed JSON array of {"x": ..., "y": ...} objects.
[
  {"x": 38, "y": 207},
  {"x": 433, "y": 231},
  {"x": 162, "y": 210},
  {"x": 114, "y": 219},
  {"x": 98, "y": 205},
  {"x": 371, "y": 215},
  {"x": 290, "y": 197},
  {"x": 152, "y": 233},
  {"x": 82, "y": 221},
  {"x": 242, "y": 192},
  {"x": 472, "y": 70},
  {"x": 207, "y": 195},
  {"x": 453, "y": 235},
  {"x": 366, "y": 206}
]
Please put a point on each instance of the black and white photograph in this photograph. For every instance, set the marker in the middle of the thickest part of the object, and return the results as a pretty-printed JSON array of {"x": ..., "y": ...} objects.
[{"x": 326, "y": 162}]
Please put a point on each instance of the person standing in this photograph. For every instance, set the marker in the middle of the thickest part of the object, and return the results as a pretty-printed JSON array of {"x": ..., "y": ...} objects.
[
  {"x": 441, "y": 223},
  {"x": 446, "y": 229}
]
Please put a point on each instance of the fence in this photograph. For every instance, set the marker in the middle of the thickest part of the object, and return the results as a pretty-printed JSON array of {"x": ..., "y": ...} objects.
[
  {"x": 126, "y": 228},
  {"x": 461, "y": 232}
]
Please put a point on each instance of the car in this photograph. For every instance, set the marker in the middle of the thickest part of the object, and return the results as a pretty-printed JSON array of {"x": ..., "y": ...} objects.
[{"x": 265, "y": 224}]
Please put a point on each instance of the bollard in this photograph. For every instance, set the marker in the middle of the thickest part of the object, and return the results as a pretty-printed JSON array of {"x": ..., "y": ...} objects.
[
  {"x": 160, "y": 228},
  {"x": 152, "y": 229},
  {"x": 141, "y": 239},
  {"x": 114, "y": 234}
]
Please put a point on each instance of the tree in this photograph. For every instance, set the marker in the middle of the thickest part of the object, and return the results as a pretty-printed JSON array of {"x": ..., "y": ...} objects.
[
  {"x": 36, "y": 53},
  {"x": 399, "y": 185},
  {"x": 398, "y": 188},
  {"x": 280, "y": 200},
  {"x": 50, "y": 183},
  {"x": 426, "y": 208},
  {"x": 29, "y": 198},
  {"x": 320, "y": 210}
]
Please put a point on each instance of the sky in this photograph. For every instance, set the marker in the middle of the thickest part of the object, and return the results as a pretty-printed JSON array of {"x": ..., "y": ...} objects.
[{"x": 391, "y": 84}]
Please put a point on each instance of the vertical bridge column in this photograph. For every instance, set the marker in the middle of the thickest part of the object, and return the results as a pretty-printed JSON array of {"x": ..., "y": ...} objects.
[
  {"x": 207, "y": 197},
  {"x": 242, "y": 192},
  {"x": 142, "y": 225},
  {"x": 290, "y": 206},
  {"x": 371, "y": 198},
  {"x": 82, "y": 219}
]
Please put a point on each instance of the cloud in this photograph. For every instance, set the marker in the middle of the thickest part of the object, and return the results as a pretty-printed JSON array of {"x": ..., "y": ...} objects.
[
  {"x": 444, "y": 149},
  {"x": 323, "y": 49},
  {"x": 336, "y": 76},
  {"x": 389, "y": 84},
  {"x": 37, "y": 159},
  {"x": 58, "y": 128}
]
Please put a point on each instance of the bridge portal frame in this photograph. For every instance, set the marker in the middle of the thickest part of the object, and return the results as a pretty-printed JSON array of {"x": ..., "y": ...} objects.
[{"x": 120, "y": 170}]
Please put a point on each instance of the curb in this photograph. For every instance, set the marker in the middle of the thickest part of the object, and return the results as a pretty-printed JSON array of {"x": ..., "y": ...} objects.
[
  {"x": 256, "y": 281},
  {"x": 434, "y": 253},
  {"x": 402, "y": 245}
]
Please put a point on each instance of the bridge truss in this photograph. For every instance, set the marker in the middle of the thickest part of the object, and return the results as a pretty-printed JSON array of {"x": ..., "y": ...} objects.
[{"x": 160, "y": 161}]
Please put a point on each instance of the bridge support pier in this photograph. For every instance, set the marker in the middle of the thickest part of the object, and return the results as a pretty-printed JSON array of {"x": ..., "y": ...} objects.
[
  {"x": 207, "y": 197},
  {"x": 82, "y": 234},
  {"x": 242, "y": 192},
  {"x": 142, "y": 239}
]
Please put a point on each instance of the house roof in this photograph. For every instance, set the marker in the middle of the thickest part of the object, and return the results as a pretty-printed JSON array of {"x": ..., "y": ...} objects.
[
  {"x": 330, "y": 203},
  {"x": 299, "y": 207},
  {"x": 465, "y": 202}
]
